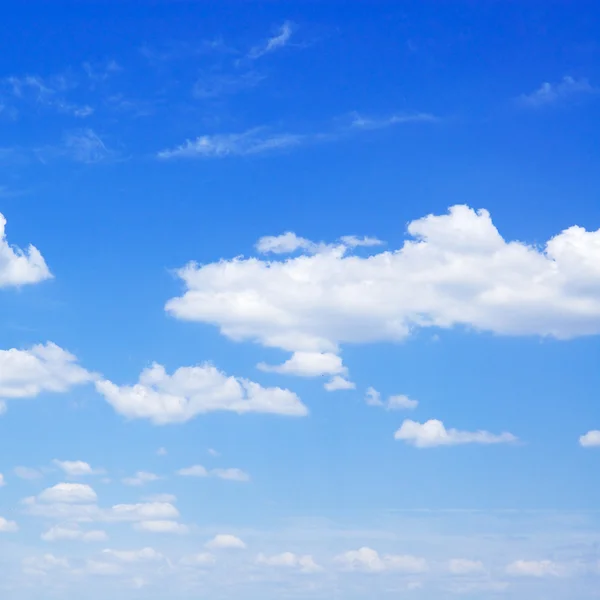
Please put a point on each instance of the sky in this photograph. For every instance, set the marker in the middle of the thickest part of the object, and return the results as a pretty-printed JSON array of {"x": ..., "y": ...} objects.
[{"x": 299, "y": 300}]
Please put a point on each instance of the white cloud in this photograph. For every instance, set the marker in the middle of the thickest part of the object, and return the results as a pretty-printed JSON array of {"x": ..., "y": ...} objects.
[
  {"x": 253, "y": 141},
  {"x": 433, "y": 433},
  {"x": 68, "y": 493},
  {"x": 304, "y": 563},
  {"x": 73, "y": 533},
  {"x": 43, "y": 368},
  {"x": 161, "y": 452},
  {"x": 191, "y": 391},
  {"x": 162, "y": 527},
  {"x": 27, "y": 473},
  {"x": 463, "y": 566},
  {"x": 140, "y": 478},
  {"x": 20, "y": 267},
  {"x": 308, "y": 364},
  {"x": 86, "y": 146},
  {"x": 133, "y": 556},
  {"x": 456, "y": 271},
  {"x": 286, "y": 243},
  {"x": 225, "y": 541},
  {"x": 74, "y": 468},
  {"x": 194, "y": 471},
  {"x": 368, "y": 560},
  {"x": 213, "y": 452},
  {"x": 398, "y": 402},
  {"x": 40, "y": 565},
  {"x": 231, "y": 474},
  {"x": 590, "y": 439},
  {"x": 8, "y": 526},
  {"x": 143, "y": 511},
  {"x": 361, "y": 122},
  {"x": 202, "y": 559},
  {"x": 536, "y": 568},
  {"x": 169, "y": 498},
  {"x": 2, "y": 481},
  {"x": 96, "y": 567},
  {"x": 353, "y": 241},
  {"x": 337, "y": 382},
  {"x": 554, "y": 93},
  {"x": 276, "y": 42}
]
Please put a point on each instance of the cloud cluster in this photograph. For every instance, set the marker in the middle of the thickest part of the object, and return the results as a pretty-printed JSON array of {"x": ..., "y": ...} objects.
[{"x": 369, "y": 560}]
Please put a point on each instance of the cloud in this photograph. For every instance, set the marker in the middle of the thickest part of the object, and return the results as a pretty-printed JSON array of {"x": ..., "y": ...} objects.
[
  {"x": 134, "y": 556},
  {"x": 75, "y": 468},
  {"x": 353, "y": 241},
  {"x": 433, "y": 433},
  {"x": 27, "y": 473},
  {"x": 68, "y": 493},
  {"x": 305, "y": 563},
  {"x": 360, "y": 122},
  {"x": 590, "y": 439},
  {"x": 225, "y": 541},
  {"x": 20, "y": 267},
  {"x": 278, "y": 41},
  {"x": 191, "y": 391},
  {"x": 462, "y": 566},
  {"x": 455, "y": 271},
  {"x": 43, "y": 368},
  {"x": 86, "y": 146},
  {"x": 286, "y": 243},
  {"x": 230, "y": 474},
  {"x": 162, "y": 527},
  {"x": 140, "y": 478},
  {"x": 253, "y": 141},
  {"x": 339, "y": 383},
  {"x": 554, "y": 93},
  {"x": 308, "y": 364},
  {"x": 202, "y": 559},
  {"x": 40, "y": 565},
  {"x": 161, "y": 452},
  {"x": 2, "y": 480},
  {"x": 8, "y": 526},
  {"x": 211, "y": 85},
  {"x": 170, "y": 498},
  {"x": 536, "y": 568},
  {"x": 214, "y": 452},
  {"x": 368, "y": 560},
  {"x": 398, "y": 402},
  {"x": 73, "y": 533}
]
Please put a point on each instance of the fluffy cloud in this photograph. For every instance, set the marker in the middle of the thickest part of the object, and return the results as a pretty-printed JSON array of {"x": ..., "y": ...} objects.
[
  {"x": 398, "y": 402},
  {"x": 553, "y": 93},
  {"x": 225, "y": 541},
  {"x": 455, "y": 270},
  {"x": 590, "y": 439},
  {"x": 161, "y": 527},
  {"x": 536, "y": 568},
  {"x": 43, "y": 368},
  {"x": 369, "y": 560},
  {"x": 308, "y": 364},
  {"x": 140, "y": 478},
  {"x": 7, "y": 526},
  {"x": 433, "y": 433},
  {"x": 74, "y": 468},
  {"x": 133, "y": 556},
  {"x": 40, "y": 565},
  {"x": 190, "y": 391},
  {"x": 68, "y": 493},
  {"x": 18, "y": 267},
  {"x": 202, "y": 559},
  {"x": 73, "y": 533},
  {"x": 230, "y": 474},
  {"x": 463, "y": 566},
  {"x": 304, "y": 563},
  {"x": 337, "y": 382}
]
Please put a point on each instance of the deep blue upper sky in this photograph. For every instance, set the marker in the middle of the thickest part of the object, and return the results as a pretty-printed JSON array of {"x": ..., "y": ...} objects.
[{"x": 140, "y": 137}]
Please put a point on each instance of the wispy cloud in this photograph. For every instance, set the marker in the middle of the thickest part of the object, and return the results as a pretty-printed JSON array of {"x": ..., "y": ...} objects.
[
  {"x": 555, "y": 93},
  {"x": 280, "y": 40},
  {"x": 260, "y": 140},
  {"x": 215, "y": 85},
  {"x": 86, "y": 146}
]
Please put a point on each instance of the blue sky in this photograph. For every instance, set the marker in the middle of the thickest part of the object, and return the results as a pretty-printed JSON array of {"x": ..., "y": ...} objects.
[{"x": 299, "y": 300}]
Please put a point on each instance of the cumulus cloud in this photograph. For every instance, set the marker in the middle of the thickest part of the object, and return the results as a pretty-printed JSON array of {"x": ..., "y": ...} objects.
[
  {"x": 455, "y": 270},
  {"x": 337, "y": 382},
  {"x": 286, "y": 243},
  {"x": 162, "y": 527},
  {"x": 590, "y": 439},
  {"x": 190, "y": 391},
  {"x": 398, "y": 402},
  {"x": 304, "y": 563},
  {"x": 553, "y": 93},
  {"x": 133, "y": 556},
  {"x": 7, "y": 526},
  {"x": 40, "y": 565},
  {"x": 433, "y": 433},
  {"x": 536, "y": 568},
  {"x": 68, "y": 493},
  {"x": 202, "y": 559},
  {"x": 20, "y": 267},
  {"x": 74, "y": 468},
  {"x": 463, "y": 566},
  {"x": 225, "y": 541},
  {"x": 72, "y": 533},
  {"x": 231, "y": 474},
  {"x": 140, "y": 478},
  {"x": 369, "y": 560},
  {"x": 43, "y": 368},
  {"x": 308, "y": 364}
]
